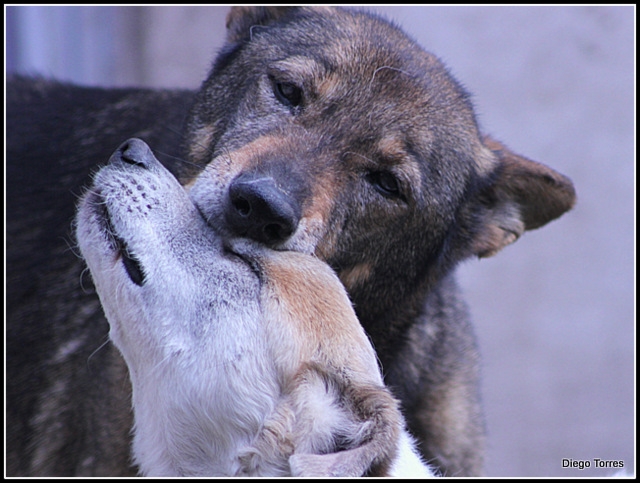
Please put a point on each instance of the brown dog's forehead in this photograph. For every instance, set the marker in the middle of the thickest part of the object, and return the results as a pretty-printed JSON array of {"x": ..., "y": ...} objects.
[
  {"x": 352, "y": 44},
  {"x": 362, "y": 68},
  {"x": 362, "y": 79},
  {"x": 373, "y": 101}
]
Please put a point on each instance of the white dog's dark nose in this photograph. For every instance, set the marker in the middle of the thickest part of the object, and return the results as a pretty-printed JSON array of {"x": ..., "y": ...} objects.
[{"x": 133, "y": 151}]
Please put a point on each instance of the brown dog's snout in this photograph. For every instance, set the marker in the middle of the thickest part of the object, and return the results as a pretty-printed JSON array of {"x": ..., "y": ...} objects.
[{"x": 260, "y": 210}]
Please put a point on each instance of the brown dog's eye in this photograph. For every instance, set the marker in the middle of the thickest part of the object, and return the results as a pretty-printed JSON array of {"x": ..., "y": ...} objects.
[
  {"x": 287, "y": 93},
  {"x": 385, "y": 182}
]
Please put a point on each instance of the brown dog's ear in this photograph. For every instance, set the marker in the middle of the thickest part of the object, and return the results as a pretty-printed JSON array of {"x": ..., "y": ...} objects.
[
  {"x": 241, "y": 19},
  {"x": 524, "y": 195}
]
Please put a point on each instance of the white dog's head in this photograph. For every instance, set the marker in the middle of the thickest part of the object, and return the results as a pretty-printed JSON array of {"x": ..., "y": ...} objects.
[{"x": 242, "y": 360}]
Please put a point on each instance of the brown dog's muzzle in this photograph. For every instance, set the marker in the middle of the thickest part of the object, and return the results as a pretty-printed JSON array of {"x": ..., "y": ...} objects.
[{"x": 259, "y": 209}]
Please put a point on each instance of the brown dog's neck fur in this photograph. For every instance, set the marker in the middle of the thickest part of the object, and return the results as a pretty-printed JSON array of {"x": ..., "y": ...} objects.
[{"x": 388, "y": 319}]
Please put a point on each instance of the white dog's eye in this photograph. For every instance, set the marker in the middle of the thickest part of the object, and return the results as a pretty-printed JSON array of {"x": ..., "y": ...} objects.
[{"x": 133, "y": 268}]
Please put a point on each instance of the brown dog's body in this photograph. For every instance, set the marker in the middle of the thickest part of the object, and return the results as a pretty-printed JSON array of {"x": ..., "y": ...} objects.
[{"x": 323, "y": 131}]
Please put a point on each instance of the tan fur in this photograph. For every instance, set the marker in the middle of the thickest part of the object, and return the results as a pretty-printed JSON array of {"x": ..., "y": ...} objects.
[
  {"x": 299, "y": 69},
  {"x": 201, "y": 140},
  {"x": 325, "y": 329},
  {"x": 356, "y": 275},
  {"x": 316, "y": 336}
]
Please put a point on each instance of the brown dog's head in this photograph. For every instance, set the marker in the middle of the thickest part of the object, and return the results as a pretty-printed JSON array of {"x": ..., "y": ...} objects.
[{"x": 329, "y": 131}]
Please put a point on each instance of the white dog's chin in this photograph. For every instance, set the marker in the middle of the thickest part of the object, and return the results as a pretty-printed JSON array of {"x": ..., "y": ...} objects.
[{"x": 170, "y": 290}]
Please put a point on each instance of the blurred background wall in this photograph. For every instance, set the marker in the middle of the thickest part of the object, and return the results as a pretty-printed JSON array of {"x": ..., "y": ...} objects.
[{"x": 555, "y": 312}]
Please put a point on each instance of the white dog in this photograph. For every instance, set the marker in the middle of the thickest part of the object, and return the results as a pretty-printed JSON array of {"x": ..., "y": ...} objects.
[{"x": 243, "y": 360}]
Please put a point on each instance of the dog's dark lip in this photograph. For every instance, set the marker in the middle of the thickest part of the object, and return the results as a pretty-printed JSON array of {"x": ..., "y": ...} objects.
[
  {"x": 131, "y": 264},
  {"x": 227, "y": 250}
]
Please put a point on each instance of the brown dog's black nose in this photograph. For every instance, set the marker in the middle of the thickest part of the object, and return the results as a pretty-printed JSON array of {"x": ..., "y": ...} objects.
[{"x": 260, "y": 210}]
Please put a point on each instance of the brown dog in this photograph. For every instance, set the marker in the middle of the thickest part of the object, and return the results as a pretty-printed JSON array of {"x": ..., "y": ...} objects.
[{"x": 319, "y": 130}]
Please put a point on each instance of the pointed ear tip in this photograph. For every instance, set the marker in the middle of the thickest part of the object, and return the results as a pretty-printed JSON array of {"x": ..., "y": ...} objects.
[
  {"x": 544, "y": 194},
  {"x": 258, "y": 14},
  {"x": 566, "y": 195},
  {"x": 534, "y": 220},
  {"x": 572, "y": 199},
  {"x": 240, "y": 19}
]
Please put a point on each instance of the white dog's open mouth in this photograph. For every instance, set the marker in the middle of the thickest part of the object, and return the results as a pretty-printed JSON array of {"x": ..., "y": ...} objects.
[{"x": 131, "y": 263}]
